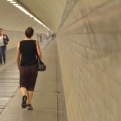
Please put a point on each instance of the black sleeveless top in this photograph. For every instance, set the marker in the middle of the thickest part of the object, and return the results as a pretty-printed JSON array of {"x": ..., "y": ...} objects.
[{"x": 28, "y": 52}]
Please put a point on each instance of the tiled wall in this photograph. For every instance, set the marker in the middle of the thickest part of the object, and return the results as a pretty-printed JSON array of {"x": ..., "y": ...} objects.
[{"x": 89, "y": 47}]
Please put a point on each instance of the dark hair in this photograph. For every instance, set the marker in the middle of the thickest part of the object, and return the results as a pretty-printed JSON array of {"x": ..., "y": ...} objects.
[
  {"x": 1, "y": 29},
  {"x": 29, "y": 32}
]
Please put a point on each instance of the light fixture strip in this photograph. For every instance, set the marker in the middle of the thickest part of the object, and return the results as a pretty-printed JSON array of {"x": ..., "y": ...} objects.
[
  {"x": 15, "y": 4},
  {"x": 9, "y": 0},
  {"x": 26, "y": 12},
  {"x": 12, "y": 2}
]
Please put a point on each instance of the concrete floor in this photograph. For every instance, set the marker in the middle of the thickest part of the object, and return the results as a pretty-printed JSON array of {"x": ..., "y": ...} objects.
[{"x": 45, "y": 95}]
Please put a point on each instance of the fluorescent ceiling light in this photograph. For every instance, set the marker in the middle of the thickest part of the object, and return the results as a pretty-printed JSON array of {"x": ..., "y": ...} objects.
[
  {"x": 12, "y": 2},
  {"x": 26, "y": 12},
  {"x": 31, "y": 15},
  {"x": 15, "y": 4},
  {"x": 22, "y": 9}
]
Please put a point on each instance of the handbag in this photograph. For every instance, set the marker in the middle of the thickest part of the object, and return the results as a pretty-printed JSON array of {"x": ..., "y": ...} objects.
[
  {"x": 5, "y": 42},
  {"x": 40, "y": 65}
]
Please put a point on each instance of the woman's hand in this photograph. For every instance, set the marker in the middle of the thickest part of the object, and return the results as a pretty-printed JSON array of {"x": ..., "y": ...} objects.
[
  {"x": 4, "y": 37},
  {"x": 18, "y": 67}
]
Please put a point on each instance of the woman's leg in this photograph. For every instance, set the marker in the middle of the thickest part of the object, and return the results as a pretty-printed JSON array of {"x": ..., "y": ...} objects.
[
  {"x": 30, "y": 95},
  {"x": 4, "y": 53},
  {"x": 23, "y": 80},
  {"x": 24, "y": 97},
  {"x": 23, "y": 85},
  {"x": 32, "y": 81},
  {"x": 23, "y": 91},
  {"x": 0, "y": 54}
]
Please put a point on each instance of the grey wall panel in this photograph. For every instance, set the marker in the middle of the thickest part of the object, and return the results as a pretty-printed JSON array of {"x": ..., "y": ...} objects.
[{"x": 89, "y": 47}]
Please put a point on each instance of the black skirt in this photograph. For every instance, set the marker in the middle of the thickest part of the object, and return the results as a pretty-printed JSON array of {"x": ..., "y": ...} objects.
[{"x": 28, "y": 76}]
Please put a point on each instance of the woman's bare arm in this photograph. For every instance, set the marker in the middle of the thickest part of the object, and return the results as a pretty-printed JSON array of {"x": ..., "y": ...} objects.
[
  {"x": 18, "y": 55},
  {"x": 38, "y": 50}
]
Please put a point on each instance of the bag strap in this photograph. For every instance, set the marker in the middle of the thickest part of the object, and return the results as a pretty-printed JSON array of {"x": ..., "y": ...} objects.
[
  {"x": 36, "y": 50},
  {"x": 38, "y": 59}
]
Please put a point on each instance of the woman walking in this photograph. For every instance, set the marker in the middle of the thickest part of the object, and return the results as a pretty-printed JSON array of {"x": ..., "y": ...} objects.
[
  {"x": 3, "y": 45},
  {"x": 27, "y": 64}
]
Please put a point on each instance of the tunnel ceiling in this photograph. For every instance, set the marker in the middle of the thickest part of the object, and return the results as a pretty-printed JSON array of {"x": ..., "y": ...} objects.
[{"x": 48, "y": 11}]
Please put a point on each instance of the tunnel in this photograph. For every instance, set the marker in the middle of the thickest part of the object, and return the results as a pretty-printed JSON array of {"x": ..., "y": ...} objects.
[{"x": 83, "y": 59}]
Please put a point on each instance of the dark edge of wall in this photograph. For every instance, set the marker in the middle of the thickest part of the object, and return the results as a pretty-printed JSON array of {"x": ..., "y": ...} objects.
[
  {"x": 62, "y": 111},
  {"x": 68, "y": 8}
]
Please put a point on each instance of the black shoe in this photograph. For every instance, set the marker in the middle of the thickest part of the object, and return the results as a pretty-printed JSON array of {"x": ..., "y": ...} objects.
[
  {"x": 24, "y": 99},
  {"x": 29, "y": 107}
]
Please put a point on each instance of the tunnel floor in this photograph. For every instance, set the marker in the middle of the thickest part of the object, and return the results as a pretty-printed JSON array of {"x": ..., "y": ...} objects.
[{"x": 45, "y": 94}]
